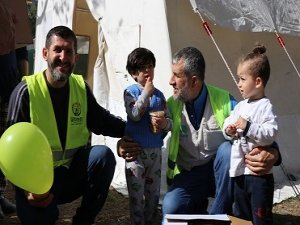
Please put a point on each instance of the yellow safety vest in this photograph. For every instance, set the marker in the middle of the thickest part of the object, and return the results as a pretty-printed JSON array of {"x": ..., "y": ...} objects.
[
  {"x": 221, "y": 107},
  {"x": 42, "y": 115}
]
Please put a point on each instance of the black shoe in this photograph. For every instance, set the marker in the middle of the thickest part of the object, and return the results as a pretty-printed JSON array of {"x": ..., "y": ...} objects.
[
  {"x": 7, "y": 206},
  {"x": 1, "y": 213}
]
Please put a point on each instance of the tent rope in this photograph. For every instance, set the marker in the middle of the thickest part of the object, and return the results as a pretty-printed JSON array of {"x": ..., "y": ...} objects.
[
  {"x": 290, "y": 179},
  {"x": 282, "y": 44},
  {"x": 286, "y": 173},
  {"x": 209, "y": 32}
]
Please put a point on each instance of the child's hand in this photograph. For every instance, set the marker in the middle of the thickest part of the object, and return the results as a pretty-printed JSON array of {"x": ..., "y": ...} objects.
[
  {"x": 231, "y": 130},
  {"x": 161, "y": 122},
  {"x": 241, "y": 123},
  {"x": 158, "y": 121},
  {"x": 149, "y": 87}
]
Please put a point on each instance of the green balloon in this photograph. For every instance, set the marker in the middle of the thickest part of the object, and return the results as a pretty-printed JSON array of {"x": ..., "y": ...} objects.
[{"x": 26, "y": 158}]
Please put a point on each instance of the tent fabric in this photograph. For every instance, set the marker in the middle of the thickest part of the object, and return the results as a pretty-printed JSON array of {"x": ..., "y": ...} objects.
[
  {"x": 101, "y": 89},
  {"x": 50, "y": 14},
  {"x": 255, "y": 15}
]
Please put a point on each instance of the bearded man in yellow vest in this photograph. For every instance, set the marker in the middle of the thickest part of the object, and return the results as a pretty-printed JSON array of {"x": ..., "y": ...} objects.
[
  {"x": 62, "y": 105},
  {"x": 198, "y": 158}
]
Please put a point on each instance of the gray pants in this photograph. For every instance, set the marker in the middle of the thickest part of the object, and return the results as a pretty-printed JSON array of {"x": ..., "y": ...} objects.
[{"x": 143, "y": 182}]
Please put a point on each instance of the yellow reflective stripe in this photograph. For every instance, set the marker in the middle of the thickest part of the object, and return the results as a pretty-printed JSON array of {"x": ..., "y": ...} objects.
[
  {"x": 65, "y": 163},
  {"x": 63, "y": 155},
  {"x": 69, "y": 153},
  {"x": 57, "y": 155}
]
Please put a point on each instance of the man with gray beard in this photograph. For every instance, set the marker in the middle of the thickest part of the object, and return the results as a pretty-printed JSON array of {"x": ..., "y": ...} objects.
[{"x": 198, "y": 156}]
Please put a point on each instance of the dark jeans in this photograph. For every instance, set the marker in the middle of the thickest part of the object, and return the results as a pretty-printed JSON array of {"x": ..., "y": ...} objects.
[
  {"x": 2, "y": 183},
  {"x": 89, "y": 176},
  {"x": 253, "y": 198}
]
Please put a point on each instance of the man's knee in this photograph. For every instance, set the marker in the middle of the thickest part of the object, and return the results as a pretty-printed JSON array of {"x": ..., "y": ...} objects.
[
  {"x": 170, "y": 204},
  {"x": 174, "y": 204},
  {"x": 224, "y": 151},
  {"x": 103, "y": 153},
  {"x": 222, "y": 162}
]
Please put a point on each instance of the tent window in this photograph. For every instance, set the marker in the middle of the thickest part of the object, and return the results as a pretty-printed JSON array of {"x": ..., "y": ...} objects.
[{"x": 83, "y": 48}]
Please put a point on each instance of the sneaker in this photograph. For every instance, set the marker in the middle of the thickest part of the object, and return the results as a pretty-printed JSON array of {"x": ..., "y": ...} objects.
[{"x": 7, "y": 206}]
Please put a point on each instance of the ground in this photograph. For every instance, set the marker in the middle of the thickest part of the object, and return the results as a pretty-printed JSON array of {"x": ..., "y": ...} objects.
[{"x": 115, "y": 211}]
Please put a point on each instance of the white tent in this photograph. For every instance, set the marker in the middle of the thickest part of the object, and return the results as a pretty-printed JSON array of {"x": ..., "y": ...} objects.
[{"x": 115, "y": 27}]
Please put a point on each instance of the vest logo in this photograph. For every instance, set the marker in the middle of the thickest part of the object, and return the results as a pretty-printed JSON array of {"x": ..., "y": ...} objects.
[
  {"x": 76, "y": 109},
  {"x": 76, "y": 119}
]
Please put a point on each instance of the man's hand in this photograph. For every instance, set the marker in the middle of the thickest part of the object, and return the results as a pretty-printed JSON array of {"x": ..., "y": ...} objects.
[
  {"x": 128, "y": 149},
  {"x": 261, "y": 160},
  {"x": 41, "y": 201}
]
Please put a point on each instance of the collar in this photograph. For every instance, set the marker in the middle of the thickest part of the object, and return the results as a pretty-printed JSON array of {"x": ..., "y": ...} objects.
[{"x": 195, "y": 108}]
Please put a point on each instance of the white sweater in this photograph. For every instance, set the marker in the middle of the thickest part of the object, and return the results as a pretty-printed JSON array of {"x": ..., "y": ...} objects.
[{"x": 262, "y": 131}]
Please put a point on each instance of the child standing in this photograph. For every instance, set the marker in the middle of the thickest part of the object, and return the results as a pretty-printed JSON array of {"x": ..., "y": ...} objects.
[
  {"x": 142, "y": 99},
  {"x": 252, "y": 123}
]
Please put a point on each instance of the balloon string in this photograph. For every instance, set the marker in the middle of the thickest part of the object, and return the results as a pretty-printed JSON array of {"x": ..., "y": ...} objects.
[
  {"x": 209, "y": 32},
  {"x": 282, "y": 44}
]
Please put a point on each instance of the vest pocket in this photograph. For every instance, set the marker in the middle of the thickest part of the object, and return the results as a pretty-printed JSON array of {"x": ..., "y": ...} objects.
[{"x": 212, "y": 139}]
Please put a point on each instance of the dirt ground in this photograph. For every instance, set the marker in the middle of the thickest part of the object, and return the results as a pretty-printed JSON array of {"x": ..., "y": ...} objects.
[{"x": 115, "y": 211}]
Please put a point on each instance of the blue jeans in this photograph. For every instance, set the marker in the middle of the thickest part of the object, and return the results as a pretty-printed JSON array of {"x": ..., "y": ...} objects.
[
  {"x": 190, "y": 189},
  {"x": 89, "y": 176}
]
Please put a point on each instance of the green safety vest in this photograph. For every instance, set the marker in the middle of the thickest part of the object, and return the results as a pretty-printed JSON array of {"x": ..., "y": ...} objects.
[
  {"x": 221, "y": 107},
  {"x": 42, "y": 115}
]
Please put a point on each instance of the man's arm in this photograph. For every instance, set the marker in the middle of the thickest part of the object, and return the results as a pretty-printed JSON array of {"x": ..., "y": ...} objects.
[
  {"x": 101, "y": 121},
  {"x": 128, "y": 149},
  {"x": 18, "y": 108},
  {"x": 261, "y": 159},
  {"x": 18, "y": 111}
]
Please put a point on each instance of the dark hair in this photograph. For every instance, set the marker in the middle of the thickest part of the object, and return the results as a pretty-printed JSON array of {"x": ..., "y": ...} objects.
[
  {"x": 259, "y": 65},
  {"x": 63, "y": 32},
  {"x": 194, "y": 62},
  {"x": 138, "y": 59}
]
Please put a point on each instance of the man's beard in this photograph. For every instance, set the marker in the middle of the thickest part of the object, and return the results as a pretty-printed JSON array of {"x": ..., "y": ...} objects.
[
  {"x": 183, "y": 95},
  {"x": 58, "y": 76}
]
